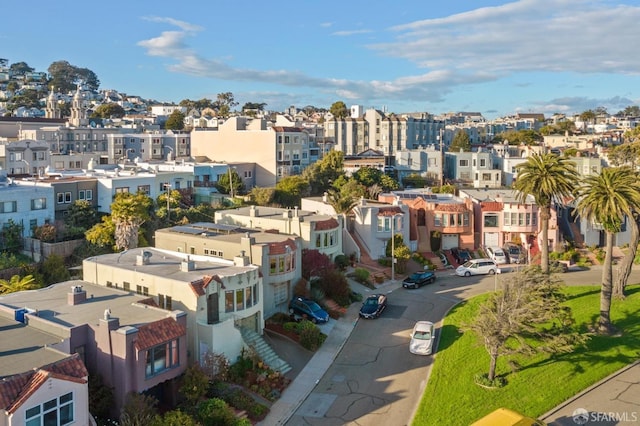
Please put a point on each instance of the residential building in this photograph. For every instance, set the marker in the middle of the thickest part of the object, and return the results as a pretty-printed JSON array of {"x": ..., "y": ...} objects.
[
  {"x": 278, "y": 151},
  {"x": 220, "y": 297},
  {"x": 134, "y": 345},
  {"x": 66, "y": 190},
  {"x": 38, "y": 384},
  {"x": 476, "y": 169},
  {"x": 279, "y": 256},
  {"x": 369, "y": 158},
  {"x": 25, "y": 204},
  {"x": 500, "y": 217},
  {"x": 318, "y": 232},
  {"x": 426, "y": 162},
  {"x": 436, "y": 221},
  {"x": 374, "y": 224}
]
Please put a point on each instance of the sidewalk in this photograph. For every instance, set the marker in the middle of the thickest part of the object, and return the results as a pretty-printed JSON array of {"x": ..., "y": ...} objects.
[
  {"x": 613, "y": 400},
  {"x": 304, "y": 383}
]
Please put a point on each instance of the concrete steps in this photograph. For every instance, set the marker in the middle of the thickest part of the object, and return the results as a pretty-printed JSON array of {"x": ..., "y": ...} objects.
[{"x": 264, "y": 351}]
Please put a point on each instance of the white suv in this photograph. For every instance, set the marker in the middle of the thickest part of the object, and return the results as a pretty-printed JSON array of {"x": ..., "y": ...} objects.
[
  {"x": 477, "y": 267},
  {"x": 497, "y": 254}
]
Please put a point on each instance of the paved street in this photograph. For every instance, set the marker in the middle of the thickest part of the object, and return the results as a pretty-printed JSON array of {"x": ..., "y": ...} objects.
[{"x": 374, "y": 379}]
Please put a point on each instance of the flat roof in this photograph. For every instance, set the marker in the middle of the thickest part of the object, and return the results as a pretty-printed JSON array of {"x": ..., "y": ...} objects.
[
  {"x": 51, "y": 304},
  {"x": 23, "y": 348},
  {"x": 260, "y": 236},
  {"x": 275, "y": 213},
  {"x": 506, "y": 194},
  {"x": 167, "y": 264}
]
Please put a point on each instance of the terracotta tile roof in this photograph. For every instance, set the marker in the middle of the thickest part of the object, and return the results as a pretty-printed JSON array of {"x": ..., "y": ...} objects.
[
  {"x": 451, "y": 208},
  {"x": 158, "y": 332},
  {"x": 491, "y": 206},
  {"x": 324, "y": 225},
  {"x": 197, "y": 287},
  {"x": 389, "y": 211},
  {"x": 17, "y": 389},
  {"x": 281, "y": 247}
]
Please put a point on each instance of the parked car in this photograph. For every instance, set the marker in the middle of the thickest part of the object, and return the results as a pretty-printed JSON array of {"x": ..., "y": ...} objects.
[
  {"x": 477, "y": 267},
  {"x": 460, "y": 255},
  {"x": 418, "y": 279},
  {"x": 422, "y": 338},
  {"x": 301, "y": 307},
  {"x": 515, "y": 253},
  {"x": 497, "y": 254},
  {"x": 373, "y": 306}
]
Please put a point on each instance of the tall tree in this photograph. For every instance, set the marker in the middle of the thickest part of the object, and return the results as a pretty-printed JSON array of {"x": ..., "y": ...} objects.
[
  {"x": 606, "y": 199},
  {"x": 290, "y": 190},
  {"x": 20, "y": 68},
  {"x": 461, "y": 141},
  {"x": 175, "y": 121},
  {"x": 549, "y": 179},
  {"x": 224, "y": 186},
  {"x": 526, "y": 317},
  {"x": 339, "y": 110},
  {"x": 65, "y": 77},
  {"x": 110, "y": 110},
  {"x": 625, "y": 266},
  {"x": 128, "y": 212}
]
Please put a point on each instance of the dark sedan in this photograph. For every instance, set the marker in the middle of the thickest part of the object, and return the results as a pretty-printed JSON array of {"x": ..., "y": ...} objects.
[
  {"x": 418, "y": 279},
  {"x": 373, "y": 306}
]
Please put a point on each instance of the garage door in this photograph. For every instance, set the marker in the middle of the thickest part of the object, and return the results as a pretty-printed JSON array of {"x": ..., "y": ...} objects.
[
  {"x": 491, "y": 239},
  {"x": 449, "y": 241}
]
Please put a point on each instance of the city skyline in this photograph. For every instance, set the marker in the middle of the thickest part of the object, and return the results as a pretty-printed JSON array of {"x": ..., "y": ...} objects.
[{"x": 493, "y": 57}]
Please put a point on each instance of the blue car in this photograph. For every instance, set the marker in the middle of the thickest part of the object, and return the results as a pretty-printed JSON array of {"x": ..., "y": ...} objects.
[
  {"x": 373, "y": 306},
  {"x": 300, "y": 307}
]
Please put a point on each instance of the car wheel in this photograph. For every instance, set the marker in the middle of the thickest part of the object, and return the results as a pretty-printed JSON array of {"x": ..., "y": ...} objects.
[
  {"x": 492, "y": 271},
  {"x": 467, "y": 274},
  {"x": 432, "y": 280}
]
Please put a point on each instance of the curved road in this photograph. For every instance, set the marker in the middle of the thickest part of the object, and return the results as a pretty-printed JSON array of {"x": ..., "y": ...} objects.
[{"x": 374, "y": 380}]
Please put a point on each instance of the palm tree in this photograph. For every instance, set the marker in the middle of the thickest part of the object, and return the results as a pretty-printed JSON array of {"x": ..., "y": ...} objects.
[
  {"x": 606, "y": 199},
  {"x": 18, "y": 283},
  {"x": 550, "y": 179}
]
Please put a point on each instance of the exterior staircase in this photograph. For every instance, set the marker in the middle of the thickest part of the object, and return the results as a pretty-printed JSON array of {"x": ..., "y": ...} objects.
[{"x": 264, "y": 351}]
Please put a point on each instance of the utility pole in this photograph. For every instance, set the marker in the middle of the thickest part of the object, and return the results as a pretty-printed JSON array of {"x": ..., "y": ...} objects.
[
  {"x": 441, "y": 138},
  {"x": 168, "y": 188}
]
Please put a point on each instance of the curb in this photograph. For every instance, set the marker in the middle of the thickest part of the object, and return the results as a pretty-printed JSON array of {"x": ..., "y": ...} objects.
[{"x": 589, "y": 389}]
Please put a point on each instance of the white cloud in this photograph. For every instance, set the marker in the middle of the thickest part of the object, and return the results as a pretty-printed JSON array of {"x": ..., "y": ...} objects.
[
  {"x": 482, "y": 45},
  {"x": 346, "y": 33}
]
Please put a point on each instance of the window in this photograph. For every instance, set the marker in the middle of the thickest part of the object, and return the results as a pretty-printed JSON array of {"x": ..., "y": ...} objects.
[
  {"x": 437, "y": 219},
  {"x": 145, "y": 189},
  {"x": 162, "y": 357},
  {"x": 38, "y": 204},
  {"x": 57, "y": 411},
  {"x": 228, "y": 301},
  {"x": 491, "y": 220},
  {"x": 483, "y": 162},
  {"x": 141, "y": 289},
  {"x": 125, "y": 285},
  {"x": 247, "y": 173},
  {"x": 240, "y": 299},
  {"x": 463, "y": 163},
  {"x": 109, "y": 284},
  {"x": 8, "y": 206},
  {"x": 81, "y": 194},
  {"x": 164, "y": 302},
  {"x": 384, "y": 224},
  {"x": 67, "y": 197},
  {"x": 122, "y": 189}
]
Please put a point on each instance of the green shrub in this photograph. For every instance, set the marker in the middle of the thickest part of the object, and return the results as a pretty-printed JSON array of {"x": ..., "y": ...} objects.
[
  {"x": 341, "y": 262},
  {"x": 311, "y": 338},
  {"x": 361, "y": 275},
  {"x": 384, "y": 261},
  {"x": 279, "y": 318}
]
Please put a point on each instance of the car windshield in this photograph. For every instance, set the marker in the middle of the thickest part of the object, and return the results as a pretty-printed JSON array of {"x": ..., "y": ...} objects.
[
  {"x": 422, "y": 335},
  {"x": 416, "y": 276},
  {"x": 468, "y": 264},
  {"x": 314, "y": 306},
  {"x": 371, "y": 302}
]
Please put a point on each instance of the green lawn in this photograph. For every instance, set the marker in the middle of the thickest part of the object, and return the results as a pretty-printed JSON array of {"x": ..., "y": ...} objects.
[{"x": 541, "y": 383}]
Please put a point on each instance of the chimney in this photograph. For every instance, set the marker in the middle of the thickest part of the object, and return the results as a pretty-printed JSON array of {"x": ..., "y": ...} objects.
[
  {"x": 325, "y": 197},
  {"x": 241, "y": 260},
  {"x": 143, "y": 258},
  {"x": 76, "y": 296},
  {"x": 295, "y": 211},
  {"x": 253, "y": 211},
  {"x": 286, "y": 214},
  {"x": 187, "y": 265}
]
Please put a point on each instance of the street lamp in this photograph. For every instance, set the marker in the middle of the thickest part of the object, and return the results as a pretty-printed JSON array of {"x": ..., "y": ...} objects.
[
  {"x": 393, "y": 247},
  {"x": 230, "y": 181}
]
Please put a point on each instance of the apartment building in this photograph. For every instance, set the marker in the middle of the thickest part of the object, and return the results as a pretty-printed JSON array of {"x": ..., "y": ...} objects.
[
  {"x": 478, "y": 169},
  {"x": 317, "y": 231},
  {"x": 219, "y": 297},
  {"x": 278, "y": 256},
  {"x": 25, "y": 204},
  {"x": 277, "y": 151},
  {"x": 134, "y": 345}
]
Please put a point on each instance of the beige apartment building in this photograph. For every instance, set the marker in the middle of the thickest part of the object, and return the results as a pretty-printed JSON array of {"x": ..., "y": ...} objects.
[
  {"x": 278, "y": 151},
  {"x": 317, "y": 231},
  {"x": 278, "y": 256}
]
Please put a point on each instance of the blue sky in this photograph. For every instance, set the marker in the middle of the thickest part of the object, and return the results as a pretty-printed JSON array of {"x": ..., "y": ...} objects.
[{"x": 489, "y": 56}]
